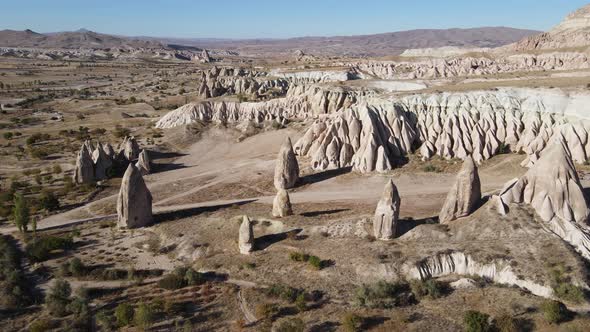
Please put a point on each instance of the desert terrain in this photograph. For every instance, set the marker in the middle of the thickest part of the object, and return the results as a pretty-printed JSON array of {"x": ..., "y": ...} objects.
[{"x": 417, "y": 181}]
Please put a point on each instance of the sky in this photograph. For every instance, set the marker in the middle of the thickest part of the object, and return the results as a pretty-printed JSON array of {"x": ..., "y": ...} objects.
[{"x": 276, "y": 18}]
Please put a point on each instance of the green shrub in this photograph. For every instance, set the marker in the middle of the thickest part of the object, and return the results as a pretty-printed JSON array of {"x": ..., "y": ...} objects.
[
  {"x": 300, "y": 302},
  {"x": 505, "y": 323},
  {"x": 123, "y": 314},
  {"x": 48, "y": 200},
  {"x": 290, "y": 325},
  {"x": 427, "y": 288},
  {"x": 58, "y": 299},
  {"x": 298, "y": 257},
  {"x": 171, "y": 282},
  {"x": 430, "y": 168},
  {"x": 283, "y": 292},
  {"x": 143, "y": 316},
  {"x": 554, "y": 311},
  {"x": 475, "y": 321},
  {"x": 266, "y": 310},
  {"x": 40, "y": 249},
  {"x": 21, "y": 213},
  {"x": 569, "y": 292},
  {"x": 57, "y": 169},
  {"x": 76, "y": 268},
  {"x": 352, "y": 322},
  {"x": 41, "y": 325},
  {"x": 193, "y": 277},
  {"x": 315, "y": 262},
  {"x": 8, "y": 135},
  {"x": 383, "y": 295}
]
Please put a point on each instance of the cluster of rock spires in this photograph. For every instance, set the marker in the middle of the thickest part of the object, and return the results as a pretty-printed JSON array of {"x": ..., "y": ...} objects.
[
  {"x": 93, "y": 162},
  {"x": 134, "y": 203},
  {"x": 552, "y": 187},
  {"x": 373, "y": 135}
]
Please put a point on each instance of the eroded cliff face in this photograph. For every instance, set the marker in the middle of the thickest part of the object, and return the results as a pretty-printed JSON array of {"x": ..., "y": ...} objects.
[{"x": 374, "y": 134}]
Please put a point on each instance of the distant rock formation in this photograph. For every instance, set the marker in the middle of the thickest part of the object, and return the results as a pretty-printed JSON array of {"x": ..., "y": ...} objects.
[
  {"x": 385, "y": 221},
  {"x": 465, "y": 194},
  {"x": 552, "y": 187},
  {"x": 134, "y": 203},
  {"x": 102, "y": 162},
  {"x": 109, "y": 151},
  {"x": 287, "y": 168},
  {"x": 205, "y": 58},
  {"x": 246, "y": 238},
  {"x": 281, "y": 206},
  {"x": 84, "y": 171},
  {"x": 144, "y": 163}
]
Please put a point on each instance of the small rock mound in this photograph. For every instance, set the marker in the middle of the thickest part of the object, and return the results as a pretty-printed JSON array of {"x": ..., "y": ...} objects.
[
  {"x": 281, "y": 206},
  {"x": 246, "y": 239},
  {"x": 134, "y": 204},
  {"x": 464, "y": 196},
  {"x": 385, "y": 222},
  {"x": 287, "y": 168},
  {"x": 552, "y": 187}
]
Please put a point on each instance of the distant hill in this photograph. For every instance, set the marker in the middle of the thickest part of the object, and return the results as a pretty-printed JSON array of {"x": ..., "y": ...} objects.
[
  {"x": 368, "y": 45},
  {"x": 81, "y": 39}
]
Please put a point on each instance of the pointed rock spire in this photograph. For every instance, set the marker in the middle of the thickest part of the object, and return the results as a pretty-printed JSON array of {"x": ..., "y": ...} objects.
[
  {"x": 287, "y": 168},
  {"x": 281, "y": 206},
  {"x": 129, "y": 149},
  {"x": 385, "y": 222},
  {"x": 102, "y": 163},
  {"x": 246, "y": 238},
  {"x": 144, "y": 163},
  {"x": 84, "y": 171},
  {"x": 134, "y": 204},
  {"x": 465, "y": 194}
]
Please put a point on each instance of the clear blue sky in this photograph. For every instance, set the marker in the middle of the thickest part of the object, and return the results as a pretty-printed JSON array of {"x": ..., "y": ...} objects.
[{"x": 276, "y": 18}]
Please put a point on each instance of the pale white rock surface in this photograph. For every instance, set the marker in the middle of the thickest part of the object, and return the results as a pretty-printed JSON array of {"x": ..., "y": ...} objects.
[
  {"x": 287, "y": 167},
  {"x": 465, "y": 194},
  {"x": 385, "y": 221},
  {"x": 134, "y": 203},
  {"x": 281, "y": 206},
  {"x": 102, "y": 162},
  {"x": 144, "y": 163},
  {"x": 84, "y": 170},
  {"x": 246, "y": 236}
]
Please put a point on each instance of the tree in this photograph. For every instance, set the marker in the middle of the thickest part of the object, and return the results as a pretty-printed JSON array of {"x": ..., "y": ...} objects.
[
  {"x": 49, "y": 201},
  {"x": 123, "y": 314},
  {"x": 475, "y": 321},
  {"x": 59, "y": 298},
  {"x": 21, "y": 213}
]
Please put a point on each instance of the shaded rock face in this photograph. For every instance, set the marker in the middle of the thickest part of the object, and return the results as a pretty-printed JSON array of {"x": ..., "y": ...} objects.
[
  {"x": 134, "y": 204},
  {"x": 465, "y": 194},
  {"x": 287, "y": 168},
  {"x": 129, "y": 149},
  {"x": 109, "y": 151},
  {"x": 552, "y": 187},
  {"x": 84, "y": 171},
  {"x": 281, "y": 206},
  {"x": 102, "y": 162},
  {"x": 385, "y": 221},
  {"x": 246, "y": 237},
  {"x": 144, "y": 163}
]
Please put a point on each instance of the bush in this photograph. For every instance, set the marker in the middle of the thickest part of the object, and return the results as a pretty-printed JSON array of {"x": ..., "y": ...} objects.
[
  {"x": 123, "y": 314},
  {"x": 283, "y": 292},
  {"x": 352, "y": 322},
  {"x": 57, "y": 169},
  {"x": 40, "y": 325},
  {"x": 569, "y": 292},
  {"x": 193, "y": 277},
  {"x": 505, "y": 323},
  {"x": 8, "y": 135},
  {"x": 21, "y": 213},
  {"x": 475, "y": 321},
  {"x": 428, "y": 288},
  {"x": 58, "y": 298},
  {"x": 266, "y": 310},
  {"x": 430, "y": 168},
  {"x": 14, "y": 288},
  {"x": 290, "y": 325},
  {"x": 171, "y": 282},
  {"x": 384, "y": 295},
  {"x": 298, "y": 257},
  {"x": 41, "y": 249},
  {"x": 48, "y": 201},
  {"x": 144, "y": 316},
  {"x": 554, "y": 311},
  {"x": 301, "y": 303},
  {"x": 315, "y": 262},
  {"x": 76, "y": 268}
]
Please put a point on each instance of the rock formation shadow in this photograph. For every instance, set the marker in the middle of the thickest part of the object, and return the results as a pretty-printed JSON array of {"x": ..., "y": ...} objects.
[
  {"x": 406, "y": 225},
  {"x": 266, "y": 241},
  {"x": 155, "y": 155},
  {"x": 159, "y": 168},
  {"x": 323, "y": 176},
  {"x": 323, "y": 212},
  {"x": 179, "y": 214}
]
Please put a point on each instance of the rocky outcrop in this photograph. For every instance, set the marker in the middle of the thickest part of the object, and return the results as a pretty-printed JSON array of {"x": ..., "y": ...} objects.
[
  {"x": 385, "y": 221},
  {"x": 459, "y": 263},
  {"x": 246, "y": 236},
  {"x": 144, "y": 163},
  {"x": 109, "y": 151},
  {"x": 552, "y": 187},
  {"x": 465, "y": 194},
  {"x": 84, "y": 171},
  {"x": 134, "y": 203},
  {"x": 102, "y": 162},
  {"x": 287, "y": 167},
  {"x": 129, "y": 149},
  {"x": 281, "y": 206}
]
